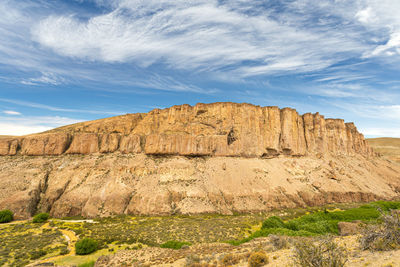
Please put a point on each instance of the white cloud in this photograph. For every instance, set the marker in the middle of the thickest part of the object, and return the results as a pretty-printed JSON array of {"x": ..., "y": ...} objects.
[
  {"x": 206, "y": 36},
  {"x": 19, "y": 129},
  {"x": 52, "y": 108},
  {"x": 382, "y": 16},
  {"x": 32, "y": 124},
  {"x": 365, "y": 15},
  {"x": 380, "y": 132},
  {"x": 391, "y": 48},
  {"x": 11, "y": 112},
  {"x": 45, "y": 78}
]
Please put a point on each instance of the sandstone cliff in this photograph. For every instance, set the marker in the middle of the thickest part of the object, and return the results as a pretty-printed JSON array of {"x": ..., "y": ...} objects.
[
  {"x": 209, "y": 158},
  {"x": 218, "y": 129}
]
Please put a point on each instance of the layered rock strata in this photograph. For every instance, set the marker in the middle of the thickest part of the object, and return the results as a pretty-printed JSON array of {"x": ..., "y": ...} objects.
[
  {"x": 218, "y": 129},
  {"x": 207, "y": 158}
]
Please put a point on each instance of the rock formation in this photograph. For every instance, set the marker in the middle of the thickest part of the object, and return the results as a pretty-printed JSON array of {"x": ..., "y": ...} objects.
[
  {"x": 207, "y": 158},
  {"x": 219, "y": 129}
]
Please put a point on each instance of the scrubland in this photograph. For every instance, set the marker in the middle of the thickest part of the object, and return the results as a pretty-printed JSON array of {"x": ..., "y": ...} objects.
[{"x": 296, "y": 237}]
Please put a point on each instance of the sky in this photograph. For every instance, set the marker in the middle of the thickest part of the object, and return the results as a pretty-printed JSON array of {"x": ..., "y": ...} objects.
[{"x": 63, "y": 62}]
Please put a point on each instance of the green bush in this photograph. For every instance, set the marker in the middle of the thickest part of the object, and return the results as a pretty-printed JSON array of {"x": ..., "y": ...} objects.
[
  {"x": 174, "y": 244},
  {"x": 6, "y": 216},
  {"x": 273, "y": 222},
  {"x": 37, "y": 254},
  {"x": 87, "y": 264},
  {"x": 86, "y": 246},
  {"x": 387, "y": 205},
  {"x": 321, "y": 222},
  {"x": 40, "y": 218}
]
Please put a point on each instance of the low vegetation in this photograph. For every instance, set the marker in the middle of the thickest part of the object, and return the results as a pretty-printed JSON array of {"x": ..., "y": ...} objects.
[
  {"x": 87, "y": 264},
  {"x": 40, "y": 218},
  {"x": 26, "y": 242},
  {"x": 86, "y": 246},
  {"x": 321, "y": 253},
  {"x": 258, "y": 259},
  {"x": 6, "y": 216},
  {"x": 320, "y": 222},
  {"x": 22, "y": 243},
  {"x": 384, "y": 236},
  {"x": 174, "y": 244}
]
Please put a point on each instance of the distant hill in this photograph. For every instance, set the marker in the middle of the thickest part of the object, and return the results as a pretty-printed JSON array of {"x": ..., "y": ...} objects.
[
  {"x": 387, "y": 146},
  {"x": 6, "y": 136}
]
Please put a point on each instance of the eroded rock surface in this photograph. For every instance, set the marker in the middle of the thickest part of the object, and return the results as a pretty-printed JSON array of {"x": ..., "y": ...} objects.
[
  {"x": 208, "y": 158},
  {"x": 218, "y": 129}
]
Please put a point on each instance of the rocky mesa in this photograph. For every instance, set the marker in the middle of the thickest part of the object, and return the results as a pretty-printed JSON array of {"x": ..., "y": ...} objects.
[
  {"x": 218, "y": 129},
  {"x": 216, "y": 158}
]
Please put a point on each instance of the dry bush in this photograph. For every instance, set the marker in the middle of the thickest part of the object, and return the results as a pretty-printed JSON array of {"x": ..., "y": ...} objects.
[
  {"x": 257, "y": 259},
  {"x": 278, "y": 241},
  {"x": 324, "y": 253},
  {"x": 230, "y": 259},
  {"x": 385, "y": 236},
  {"x": 192, "y": 260}
]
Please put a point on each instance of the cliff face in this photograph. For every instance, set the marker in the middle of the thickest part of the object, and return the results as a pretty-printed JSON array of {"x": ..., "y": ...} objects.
[
  {"x": 219, "y": 129},
  {"x": 220, "y": 157}
]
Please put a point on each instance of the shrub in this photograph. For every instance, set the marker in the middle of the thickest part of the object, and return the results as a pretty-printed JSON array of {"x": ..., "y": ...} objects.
[
  {"x": 37, "y": 254},
  {"x": 319, "y": 223},
  {"x": 64, "y": 251},
  {"x": 6, "y": 216},
  {"x": 86, "y": 246},
  {"x": 40, "y": 218},
  {"x": 230, "y": 259},
  {"x": 257, "y": 259},
  {"x": 174, "y": 244},
  {"x": 385, "y": 236},
  {"x": 319, "y": 254},
  {"x": 87, "y": 264},
  {"x": 278, "y": 241},
  {"x": 273, "y": 222}
]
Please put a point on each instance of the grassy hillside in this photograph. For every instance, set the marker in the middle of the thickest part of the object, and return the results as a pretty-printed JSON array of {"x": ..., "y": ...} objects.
[{"x": 389, "y": 147}]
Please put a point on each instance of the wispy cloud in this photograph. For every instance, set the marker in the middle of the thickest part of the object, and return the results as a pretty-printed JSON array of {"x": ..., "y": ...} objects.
[
  {"x": 343, "y": 55},
  {"x": 205, "y": 36},
  {"x": 52, "y": 108},
  {"x": 11, "y": 112},
  {"x": 45, "y": 78}
]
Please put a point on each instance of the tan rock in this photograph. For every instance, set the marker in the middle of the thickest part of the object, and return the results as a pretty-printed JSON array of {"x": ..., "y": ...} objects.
[
  {"x": 84, "y": 143},
  {"x": 45, "y": 144},
  {"x": 130, "y": 144},
  {"x": 8, "y": 147},
  {"x": 109, "y": 142},
  {"x": 217, "y": 129},
  {"x": 102, "y": 185}
]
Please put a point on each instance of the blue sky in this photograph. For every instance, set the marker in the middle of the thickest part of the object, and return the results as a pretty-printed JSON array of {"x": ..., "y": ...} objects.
[{"x": 68, "y": 61}]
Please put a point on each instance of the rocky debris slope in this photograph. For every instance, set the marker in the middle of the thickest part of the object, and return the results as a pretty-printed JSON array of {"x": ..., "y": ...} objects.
[
  {"x": 102, "y": 185},
  {"x": 209, "y": 158},
  {"x": 219, "y": 129}
]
